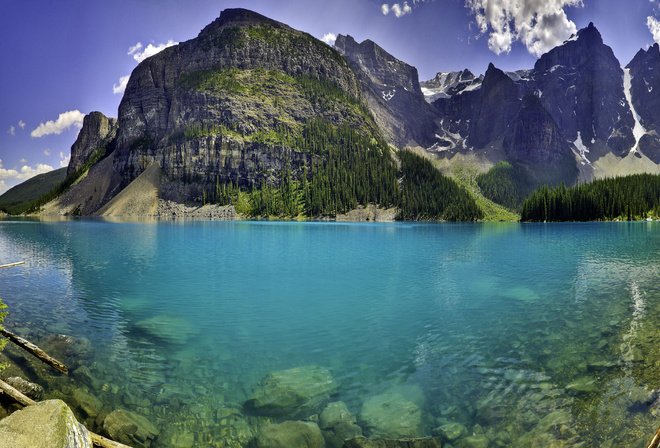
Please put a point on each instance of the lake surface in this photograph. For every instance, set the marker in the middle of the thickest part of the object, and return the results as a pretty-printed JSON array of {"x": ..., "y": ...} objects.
[{"x": 525, "y": 334}]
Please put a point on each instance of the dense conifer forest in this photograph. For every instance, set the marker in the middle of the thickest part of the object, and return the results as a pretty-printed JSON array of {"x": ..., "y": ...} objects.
[
  {"x": 353, "y": 169},
  {"x": 627, "y": 198}
]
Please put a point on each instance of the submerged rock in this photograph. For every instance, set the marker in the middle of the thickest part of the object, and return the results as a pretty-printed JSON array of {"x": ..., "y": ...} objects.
[
  {"x": 289, "y": 435},
  {"x": 295, "y": 393},
  {"x": 129, "y": 428},
  {"x": 48, "y": 424},
  {"x": 392, "y": 416},
  {"x": 64, "y": 346},
  {"x": 362, "y": 442},
  {"x": 451, "y": 432},
  {"x": 31, "y": 390},
  {"x": 338, "y": 424},
  {"x": 169, "y": 328}
]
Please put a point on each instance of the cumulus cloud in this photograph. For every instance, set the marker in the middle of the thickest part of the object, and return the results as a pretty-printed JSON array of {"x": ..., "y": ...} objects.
[
  {"x": 64, "y": 160},
  {"x": 63, "y": 122},
  {"x": 539, "y": 24},
  {"x": 21, "y": 124},
  {"x": 654, "y": 27},
  {"x": 47, "y": 152},
  {"x": 140, "y": 53},
  {"x": 329, "y": 38},
  {"x": 397, "y": 9},
  {"x": 24, "y": 173},
  {"x": 121, "y": 87},
  {"x": 12, "y": 130}
]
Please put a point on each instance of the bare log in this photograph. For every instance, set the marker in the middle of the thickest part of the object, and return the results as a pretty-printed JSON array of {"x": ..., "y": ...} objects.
[
  {"x": 656, "y": 440},
  {"x": 36, "y": 351},
  {"x": 97, "y": 440},
  {"x": 16, "y": 394},
  {"x": 11, "y": 264}
]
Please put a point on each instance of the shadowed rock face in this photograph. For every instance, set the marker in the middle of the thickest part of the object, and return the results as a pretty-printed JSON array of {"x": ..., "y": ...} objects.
[{"x": 393, "y": 92}]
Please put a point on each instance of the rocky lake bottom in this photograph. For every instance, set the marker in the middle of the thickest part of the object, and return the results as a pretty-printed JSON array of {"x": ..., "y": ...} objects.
[{"x": 229, "y": 334}]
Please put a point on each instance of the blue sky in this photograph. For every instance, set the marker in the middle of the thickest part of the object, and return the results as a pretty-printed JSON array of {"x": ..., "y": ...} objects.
[{"x": 65, "y": 58}]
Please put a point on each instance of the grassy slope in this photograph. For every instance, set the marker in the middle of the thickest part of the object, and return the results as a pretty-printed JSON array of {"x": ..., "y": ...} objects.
[
  {"x": 466, "y": 177},
  {"x": 31, "y": 189}
]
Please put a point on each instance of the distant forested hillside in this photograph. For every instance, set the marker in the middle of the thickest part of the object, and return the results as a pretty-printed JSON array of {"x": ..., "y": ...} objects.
[
  {"x": 627, "y": 198},
  {"x": 19, "y": 198}
]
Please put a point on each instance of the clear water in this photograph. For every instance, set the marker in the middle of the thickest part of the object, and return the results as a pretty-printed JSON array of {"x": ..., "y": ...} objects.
[{"x": 534, "y": 334}]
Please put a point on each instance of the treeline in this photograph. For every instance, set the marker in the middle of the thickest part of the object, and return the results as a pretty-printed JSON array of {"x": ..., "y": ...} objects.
[
  {"x": 426, "y": 194},
  {"x": 352, "y": 169},
  {"x": 627, "y": 198}
]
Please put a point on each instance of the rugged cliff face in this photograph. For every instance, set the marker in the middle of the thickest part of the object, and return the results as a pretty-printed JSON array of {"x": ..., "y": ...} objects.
[
  {"x": 222, "y": 107},
  {"x": 97, "y": 132},
  {"x": 393, "y": 92}
]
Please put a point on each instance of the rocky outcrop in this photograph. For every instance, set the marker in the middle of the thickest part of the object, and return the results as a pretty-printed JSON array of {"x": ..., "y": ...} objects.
[
  {"x": 393, "y": 92},
  {"x": 296, "y": 393},
  {"x": 201, "y": 109},
  {"x": 48, "y": 424},
  {"x": 97, "y": 131}
]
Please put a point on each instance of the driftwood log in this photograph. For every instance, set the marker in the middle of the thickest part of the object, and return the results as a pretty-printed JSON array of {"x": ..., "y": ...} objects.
[
  {"x": 36, "y": 351},
  {"x": 656, "y": 440},
  {"x": 11, "y": 264},
  {"x": 17, "y": 396}
]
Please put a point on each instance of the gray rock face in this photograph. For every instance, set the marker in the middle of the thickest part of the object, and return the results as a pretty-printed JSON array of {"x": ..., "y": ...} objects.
[
  {"x": 289, "y": 434},
  {"x": 393, "y": 93},
  {"x": 97, "y": 131},
  {"x": 48, "y": 424},
  {"x": 295, "y": 393},
  {"x": 210, "y": 81}
]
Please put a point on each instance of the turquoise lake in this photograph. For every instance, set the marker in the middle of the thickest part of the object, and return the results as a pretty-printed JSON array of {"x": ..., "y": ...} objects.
[{"x": 525, "y": 334}]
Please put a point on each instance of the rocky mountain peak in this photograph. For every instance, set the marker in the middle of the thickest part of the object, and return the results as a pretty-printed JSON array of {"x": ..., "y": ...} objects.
[
  {"x": 239, "y": 17},
  {"x": 97, "y": 130}
]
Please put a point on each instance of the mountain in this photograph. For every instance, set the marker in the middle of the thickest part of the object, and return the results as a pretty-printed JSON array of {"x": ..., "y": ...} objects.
[
  {"x": 16, "y": 200},
  {"x": 393, "y": 92},
  {"x": 266, "y": 119},
  {"x": 444, "y": 85},
  {"x": 592, "y": 117}
]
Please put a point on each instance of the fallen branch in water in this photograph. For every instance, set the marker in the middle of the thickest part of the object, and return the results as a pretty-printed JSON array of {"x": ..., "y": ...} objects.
[
  {"x": 11, "y": 264},
  {"x": 36, "y": 351},
  {"x": 18, "y": 397},
  {"x": 656, "y": 440}
]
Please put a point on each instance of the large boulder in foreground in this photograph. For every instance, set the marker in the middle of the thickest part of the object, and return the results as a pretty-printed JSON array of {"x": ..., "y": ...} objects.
[
  {"x": 289, "y": 435},
  {"x": 294, "y": 393},
  {"x": 48, "y": 424}
]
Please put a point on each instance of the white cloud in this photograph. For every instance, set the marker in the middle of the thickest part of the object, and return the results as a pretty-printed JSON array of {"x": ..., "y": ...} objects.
[
  {"x": 654, "y": 27},
  {"x": 12, "y": 130},
  {"x": 121, "y": 87},
  {"x": 47, "y": 152},
  {"x": 398, "y": 10},
  {"x": 64, "y": 161},
  {"x": 22, "y": 161},
  {"x": 21, "y": 124},
  {"x": 26, "y": 172},
  {"x": 539, "y": 24},
  {"x": 63, "y": 122},
  {"x": 140, "y": 55},
  {"x": 329, "y": 38}
]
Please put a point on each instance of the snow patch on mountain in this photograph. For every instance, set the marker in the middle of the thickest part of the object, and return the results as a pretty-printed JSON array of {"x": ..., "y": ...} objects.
[
  {"x": 638, "y": 129},
  {"x": 581, "y": 148}
]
